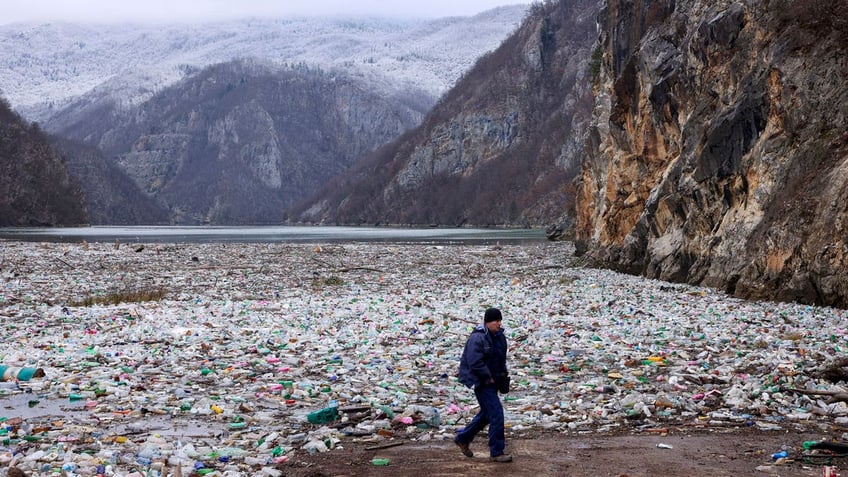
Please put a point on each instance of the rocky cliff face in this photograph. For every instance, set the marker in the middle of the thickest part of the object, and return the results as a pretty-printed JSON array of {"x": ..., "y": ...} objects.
[
  {"x": 239, "y": 142},
  {"x": 35, "y": 187},
  {"x": 719, "y": 154},
  {"x": 501, "y": 147}
]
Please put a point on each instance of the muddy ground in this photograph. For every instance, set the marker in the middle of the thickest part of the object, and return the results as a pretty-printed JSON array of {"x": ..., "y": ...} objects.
[{"x": 693, "y": 452}]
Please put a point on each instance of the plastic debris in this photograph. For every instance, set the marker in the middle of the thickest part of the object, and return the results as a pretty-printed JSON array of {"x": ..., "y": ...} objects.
[
  {"x": 780, "y": 455},
  {"x": 323, "y": 416},
  {"x": 11, "y": 373},
  {"x": 259, "y": 352}
]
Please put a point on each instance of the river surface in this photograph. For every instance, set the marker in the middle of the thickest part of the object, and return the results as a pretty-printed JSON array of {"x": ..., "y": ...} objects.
[{"x": 316, "y": 234}]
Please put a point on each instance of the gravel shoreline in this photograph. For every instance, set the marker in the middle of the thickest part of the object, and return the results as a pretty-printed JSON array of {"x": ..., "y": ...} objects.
[{"x": 250, "y": 341}]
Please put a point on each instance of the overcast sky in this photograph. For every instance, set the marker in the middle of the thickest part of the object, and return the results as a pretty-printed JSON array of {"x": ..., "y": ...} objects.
[{"x": 192, "y": 10}]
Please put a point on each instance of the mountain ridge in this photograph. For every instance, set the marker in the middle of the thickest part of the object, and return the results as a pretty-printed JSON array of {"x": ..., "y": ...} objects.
[
  {"x": 238, "y": 142},
  {"x": 43, "y": 66},
  {"x": 489, "y": 153}
]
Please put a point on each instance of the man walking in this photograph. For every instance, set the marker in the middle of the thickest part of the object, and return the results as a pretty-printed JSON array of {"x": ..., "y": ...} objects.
[{"x": 483, "y": 367}]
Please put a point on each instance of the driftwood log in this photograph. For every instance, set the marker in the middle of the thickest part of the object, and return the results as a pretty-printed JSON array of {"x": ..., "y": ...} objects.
[
  {"x": 385, "y": 446},
  {"x": 834, "y": 396}
]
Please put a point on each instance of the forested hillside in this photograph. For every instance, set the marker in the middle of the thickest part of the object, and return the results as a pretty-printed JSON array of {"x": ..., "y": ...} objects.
[
  {"x": 35, "y": 188},
  {"x": 239, "y": 142},
  {"x": 500, "y": 148}
]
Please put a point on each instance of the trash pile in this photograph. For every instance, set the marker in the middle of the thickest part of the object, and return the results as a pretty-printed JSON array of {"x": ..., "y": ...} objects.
[{"x": 227, "y": 359}]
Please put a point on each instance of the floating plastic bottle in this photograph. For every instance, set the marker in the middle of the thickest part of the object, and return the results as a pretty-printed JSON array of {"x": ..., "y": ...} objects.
[
  {"x": 323, "y": 416},
  {"x": 11, "y": 373}
]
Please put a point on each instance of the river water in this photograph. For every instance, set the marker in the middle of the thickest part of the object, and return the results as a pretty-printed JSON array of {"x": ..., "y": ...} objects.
[{"x": 307, "y": 234}]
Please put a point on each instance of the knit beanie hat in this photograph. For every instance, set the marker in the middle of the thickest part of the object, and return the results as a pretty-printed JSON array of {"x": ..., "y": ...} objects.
[{"x": 492, "y": 314}]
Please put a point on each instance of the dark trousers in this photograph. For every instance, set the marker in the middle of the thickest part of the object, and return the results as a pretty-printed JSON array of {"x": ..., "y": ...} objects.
[{"x": 491, "y": 413}]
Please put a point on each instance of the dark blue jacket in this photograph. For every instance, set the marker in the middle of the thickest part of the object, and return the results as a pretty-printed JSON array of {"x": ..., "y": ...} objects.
[{"x": 483, "y": 358}]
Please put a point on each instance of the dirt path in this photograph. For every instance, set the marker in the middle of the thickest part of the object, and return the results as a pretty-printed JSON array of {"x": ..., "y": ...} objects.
[{"x": 721, "y": 453}]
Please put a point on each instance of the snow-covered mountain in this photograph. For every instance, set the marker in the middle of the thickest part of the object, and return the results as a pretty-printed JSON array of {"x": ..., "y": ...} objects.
[{"x": 43, "y": 67}]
